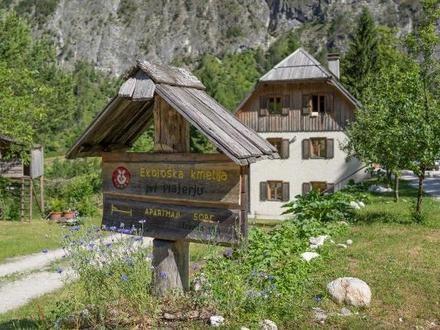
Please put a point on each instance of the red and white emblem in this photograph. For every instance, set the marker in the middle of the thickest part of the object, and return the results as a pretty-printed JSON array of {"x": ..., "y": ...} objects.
[{"x": 121, "y": 177}]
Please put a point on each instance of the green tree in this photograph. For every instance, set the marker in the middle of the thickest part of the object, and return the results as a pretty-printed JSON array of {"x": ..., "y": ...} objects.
[
  {"x": 422, "y": 44},
  {"x": 361, "y": 59}
]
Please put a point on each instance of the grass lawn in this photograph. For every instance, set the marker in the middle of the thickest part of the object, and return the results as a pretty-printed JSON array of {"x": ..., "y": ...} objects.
[
  {"x": 17, "y": 238},
  {"x": 398, "y": 259}
]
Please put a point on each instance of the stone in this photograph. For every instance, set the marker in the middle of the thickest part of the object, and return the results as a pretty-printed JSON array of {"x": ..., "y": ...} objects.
[
  {"x": 319, "y": 315},
  {"x": 268, "y": 325},
  {"x": 216, "y": 320},
  {"x": 349, "y": 242},
  {"x": 318, "y": 241},
  {"x": 344, "y": 246},
  {"x": 169, "y": 317},
  {"x": 345, "y": 311},
  {"x": 354, "y": 205},
  {"x": 350, "y": 290},
  {"x": 244, "y": 328},
  {"x": 361, "y": 203},
  {"x": 379, "y": 189},
  {"x": 313, "y": 246},
  {"x": 307, "y": 256}
]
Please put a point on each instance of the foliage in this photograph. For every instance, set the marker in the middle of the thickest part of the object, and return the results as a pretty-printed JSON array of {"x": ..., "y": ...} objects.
[
  {"x": 316, "y": 206},
  {"x": 9, "y": 200},
  {"x": 75, "y": 185},
  {"x": 361, "y": 59},
  {"x": 266, "y": 278},
  {"x": 40, "y": 103},
  {"x": 110, "y": 271}
]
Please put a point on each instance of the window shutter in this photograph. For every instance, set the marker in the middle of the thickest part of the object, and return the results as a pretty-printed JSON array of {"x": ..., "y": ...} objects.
[
  {"x": 330, "y": 188},
  {"x": 263, "y": 106},
  {"x": 306, "y": 149},
  {"x": 284, "y": 153},
  {"x": 286, "y": 192},
  {"x": 263, "y": 191},
  {"x": 329, "y": 105},
  {"x": 306, "y": 104},
  {"x": 306, "y": 188},
  {"x": 286, "y": 105},
  {"x": 330, "y": 148}
]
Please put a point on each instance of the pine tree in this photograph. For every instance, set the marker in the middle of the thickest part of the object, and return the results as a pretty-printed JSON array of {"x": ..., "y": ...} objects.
[{"x": 361, "y": 59}]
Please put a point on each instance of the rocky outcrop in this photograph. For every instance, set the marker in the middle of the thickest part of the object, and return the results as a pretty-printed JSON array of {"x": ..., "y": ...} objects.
[{"x": 113, "y": 33}]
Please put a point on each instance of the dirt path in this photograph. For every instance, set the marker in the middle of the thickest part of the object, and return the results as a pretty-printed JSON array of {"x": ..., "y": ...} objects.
[{"x": 19, "y": 292}]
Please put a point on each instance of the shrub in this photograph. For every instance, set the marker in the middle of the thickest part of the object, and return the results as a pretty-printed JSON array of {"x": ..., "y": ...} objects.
[
  {"x": 321, "y": 207},
  {"x": 265, "y": 278}
]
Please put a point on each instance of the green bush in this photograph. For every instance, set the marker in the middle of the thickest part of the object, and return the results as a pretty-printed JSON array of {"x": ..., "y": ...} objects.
[
  {"x": 321, "y": 207},
  {"x": 266, "y": 277},
  {"x": 75, "y": 185},
  {"x": 9, "y": 200}
]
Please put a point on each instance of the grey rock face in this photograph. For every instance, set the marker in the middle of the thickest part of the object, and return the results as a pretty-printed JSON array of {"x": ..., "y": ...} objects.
[{"x": 112, "y": 34}]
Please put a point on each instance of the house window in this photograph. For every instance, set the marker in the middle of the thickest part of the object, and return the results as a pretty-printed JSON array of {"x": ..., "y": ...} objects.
[
  {"x": 318, "y": 104},
  {"x": 274, "y": 191},
  {"x": 318, "y": 148},
  {"x": 319, "y": 186},
  {"x": 276, "y": 142},
  {"x": 274, "y": 105},
  {"x": 282, "y": 145}
]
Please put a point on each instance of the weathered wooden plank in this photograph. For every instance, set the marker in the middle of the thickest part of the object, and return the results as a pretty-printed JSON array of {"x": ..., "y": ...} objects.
[
  {"x": 127, "y": 88},
  {"x": 173, "y": 222},
  {"x": 205, "y": 182},
  {"x": 145, "y": 87},
  {"x": 165, "y": 157}
]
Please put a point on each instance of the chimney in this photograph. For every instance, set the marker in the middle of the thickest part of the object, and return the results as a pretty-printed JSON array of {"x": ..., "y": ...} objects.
[{"x": 333, "y": 63}]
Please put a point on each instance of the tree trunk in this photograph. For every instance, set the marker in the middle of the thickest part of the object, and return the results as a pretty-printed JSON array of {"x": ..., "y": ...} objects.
[
  {"x": 420, "y": 194},
  {"x": 396, "y": 187},
  {"x": 389, "y": 172}
]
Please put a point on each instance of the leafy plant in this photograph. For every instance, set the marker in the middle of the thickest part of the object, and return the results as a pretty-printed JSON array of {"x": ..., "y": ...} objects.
[{"x": 321, "y": 207}]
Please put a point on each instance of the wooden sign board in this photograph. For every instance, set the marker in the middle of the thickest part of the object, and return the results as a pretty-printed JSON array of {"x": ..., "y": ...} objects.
[{"x": 174, "y": 197}]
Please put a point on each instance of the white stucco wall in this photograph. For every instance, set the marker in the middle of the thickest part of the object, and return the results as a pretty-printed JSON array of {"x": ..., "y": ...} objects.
[{"x": 296, "y": 170}]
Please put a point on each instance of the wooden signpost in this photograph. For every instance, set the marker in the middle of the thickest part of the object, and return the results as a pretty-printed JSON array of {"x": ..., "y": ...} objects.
[{"x": 172, "y": 195}]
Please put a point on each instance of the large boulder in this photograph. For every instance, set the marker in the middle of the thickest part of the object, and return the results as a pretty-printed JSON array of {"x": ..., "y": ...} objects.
[{"x": 350, "y": 290}]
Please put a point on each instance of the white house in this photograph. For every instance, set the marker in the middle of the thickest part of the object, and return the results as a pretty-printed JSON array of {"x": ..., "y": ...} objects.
[{"x": 301, "y": 108}]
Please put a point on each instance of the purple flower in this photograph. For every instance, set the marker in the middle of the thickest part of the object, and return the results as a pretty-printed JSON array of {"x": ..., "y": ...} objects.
[
  {"x": 74, "y": 228},
  {"x": 124, "y": 278},
  {"x": 45, "y": 251},
  {"x": 91, "y": 246},
  {"x": 126, "y": 231},
  {"x": 113, "y": 228},
  {"x": 59, "y": 270},
  {"x": 163, "y": 275}
]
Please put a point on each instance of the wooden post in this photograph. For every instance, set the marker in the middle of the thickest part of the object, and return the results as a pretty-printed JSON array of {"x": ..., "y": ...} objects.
[
  {"x": 42, "y": 193},
  {"x": 170, "y": 258},
  {"x": 31, "y": 186},
  {"x": 22, "y": 200},
  {"x": 244, "y": 202},
  {"x": 171, "y": 266}
]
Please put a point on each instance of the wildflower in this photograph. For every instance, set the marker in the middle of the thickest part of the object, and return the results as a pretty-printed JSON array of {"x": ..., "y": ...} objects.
[
  {"x": 113, "y": 228},
  {"x": 124, "y": 278},
  {"x": 104, "y": 227},
  {"x": 142, "y": 221},
  {"x": 122, "y": 225},
  {"x": 59, "y": 270},
  {"x": 163, "y": 275},
  {"x": 74, "y": 228},
  {"x": 45, "y": 251},
  {"x": 126, "y": 231},
  {"x": 91, "y": 246}
]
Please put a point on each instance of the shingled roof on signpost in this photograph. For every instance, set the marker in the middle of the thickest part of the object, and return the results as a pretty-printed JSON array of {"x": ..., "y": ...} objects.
[{"x": 130, "y": 113}]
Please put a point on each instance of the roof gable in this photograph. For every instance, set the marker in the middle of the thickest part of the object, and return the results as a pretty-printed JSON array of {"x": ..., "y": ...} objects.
[
  {"x": 299, "y": 65},
  {"x": 129, "y": 114}
]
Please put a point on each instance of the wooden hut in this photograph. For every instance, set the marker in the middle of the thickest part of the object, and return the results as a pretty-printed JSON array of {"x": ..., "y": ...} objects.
[
  {"x": 13, "y": 167},
  {"x": 178, "y": 196}
]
